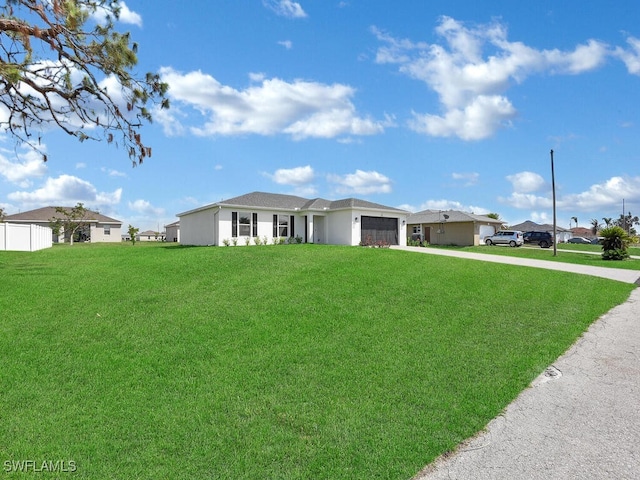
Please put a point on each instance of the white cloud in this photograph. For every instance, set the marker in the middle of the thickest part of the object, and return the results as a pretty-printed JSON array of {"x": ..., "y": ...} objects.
[
  {"x": 631, "y": 57},
  {"x": 293, "y": 176},
  {"x": 300, "y": 109},
  {"x": 478, "y": 120},
  {"x": 145, "y": 208},
  {"x": 469, "y": 179},
  {"x": 526, "y": 182},
  {"x": 473, "y": 69},
  {"x": 288, "y": 44},
  {"x": 607, "y": 195},
  {"x": 27, "y": 166},
  {"x": 67, "y": 190},
  {"x": 361, "y": 183},
  {"x": 285, "y": 8},
  {"x": 126, "y": 15},
  {"x": 113, "y": 173}
]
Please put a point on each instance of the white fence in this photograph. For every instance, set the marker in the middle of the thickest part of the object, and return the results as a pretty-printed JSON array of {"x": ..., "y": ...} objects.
[{"x": 24, "y": 238}]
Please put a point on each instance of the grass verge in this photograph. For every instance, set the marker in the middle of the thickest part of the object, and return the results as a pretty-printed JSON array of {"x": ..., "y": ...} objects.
[{"x": 300, "y": 361}]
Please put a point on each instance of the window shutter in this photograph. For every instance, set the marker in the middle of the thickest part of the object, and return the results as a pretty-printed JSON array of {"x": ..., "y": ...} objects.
[
  {"x": 275, "y": 226},
  {"x": 291, "y": 219},
  {"x": 254, "y": 222},
  {"x": 234, "y": 224}
]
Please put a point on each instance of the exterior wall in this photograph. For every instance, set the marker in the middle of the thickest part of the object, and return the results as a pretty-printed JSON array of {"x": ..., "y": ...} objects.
[
  {"x": 198, "y": 228},
  {"x": 461, "y": 234},
  {"x": 24, "y": 238},
  {"x": 173, "y": 234},
  {"x": 341, "y": 228},
  {"x": 98, "y": 235}
]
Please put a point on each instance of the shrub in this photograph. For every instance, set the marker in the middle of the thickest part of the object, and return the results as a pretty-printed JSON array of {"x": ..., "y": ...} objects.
[
  {"x": 226, "y": 242},
  {"x": 257, "y": 240},
  {"x": 234, "y": 241},
  {"x": 615, "y": 243}
]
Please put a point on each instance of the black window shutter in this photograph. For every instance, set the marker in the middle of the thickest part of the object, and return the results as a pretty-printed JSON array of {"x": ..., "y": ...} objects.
[
  {"x": 291, "y": 226},
  {"x": 254, "y": 221},
  {"x": 234, "y": 224},
  {"x": 275, "y": 226}
]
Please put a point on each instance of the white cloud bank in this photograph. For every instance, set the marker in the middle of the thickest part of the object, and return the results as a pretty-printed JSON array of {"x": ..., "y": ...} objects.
[
  {"x": 474, "y": 68},
  {"x": 300, "y": 109},
  {"x": 361, "y": 183},
  {"x": 67, "y": 190}
]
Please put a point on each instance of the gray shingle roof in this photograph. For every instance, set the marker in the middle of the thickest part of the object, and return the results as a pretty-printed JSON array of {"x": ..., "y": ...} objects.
[
  {"x": 454, "y": 216},
  {"x": 530, "y": 226},
  {"x": 277, "y": 201},
  {"x": 266, "y": 200},
  {"x": 45, "y": 214}
]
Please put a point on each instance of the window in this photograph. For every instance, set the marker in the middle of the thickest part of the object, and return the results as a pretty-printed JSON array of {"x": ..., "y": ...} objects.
[
  {"x": 281, "y": 226},
  {"x": 107, "y": 229},
  {"x": 244, "y": 224}
]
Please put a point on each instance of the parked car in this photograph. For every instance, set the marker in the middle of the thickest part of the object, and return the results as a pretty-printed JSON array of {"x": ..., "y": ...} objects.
[
  {"x": 544, "y": 239},
  {"x": 597, "y": 241},
  {"x": 583, "y": 240},
  {"x": 513, "y": 238}
]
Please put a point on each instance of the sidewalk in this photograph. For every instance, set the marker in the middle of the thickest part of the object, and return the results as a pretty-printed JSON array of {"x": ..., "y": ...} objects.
[{"x": 579, "y": 419}]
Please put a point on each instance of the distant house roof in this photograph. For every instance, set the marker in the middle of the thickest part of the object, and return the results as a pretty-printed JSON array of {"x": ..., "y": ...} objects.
[
  {"x": 45, "y": 214},
  {"x": 174, "y": 224},
  {"x": 530, "y": 226},
  {"x": 276, "y": 201},
  {"x": 449, "y": 216}
]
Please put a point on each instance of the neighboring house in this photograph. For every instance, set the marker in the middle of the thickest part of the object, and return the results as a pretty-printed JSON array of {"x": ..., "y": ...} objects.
[
  {"x": 173, "y": 231},
  {"x": 99, "y": 228},
  {"x": 562, "y": 234},
  {"x": 582, "y": 232},
  {"x": 451, "y": 227},
  {"x": 272, "y": 216},
  {"x": 150, "y": 236}
]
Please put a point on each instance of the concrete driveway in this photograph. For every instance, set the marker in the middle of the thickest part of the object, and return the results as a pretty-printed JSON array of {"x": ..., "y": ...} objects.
[{"x": 580, "y": 419}]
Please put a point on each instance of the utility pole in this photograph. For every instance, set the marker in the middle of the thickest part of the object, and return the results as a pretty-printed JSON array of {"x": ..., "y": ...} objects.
[{"x": 553, "y": 189}]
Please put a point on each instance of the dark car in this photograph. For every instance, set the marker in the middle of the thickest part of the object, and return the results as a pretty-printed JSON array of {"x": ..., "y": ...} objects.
[
  {"x": 544, "y": 239},
  {"x": 583, "y": 240}
]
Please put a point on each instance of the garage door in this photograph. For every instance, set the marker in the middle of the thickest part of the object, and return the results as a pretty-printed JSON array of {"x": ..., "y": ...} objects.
[{"x": 377, "y": 229}]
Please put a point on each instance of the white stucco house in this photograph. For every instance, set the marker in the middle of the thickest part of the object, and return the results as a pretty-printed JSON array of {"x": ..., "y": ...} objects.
[{"x": 338, "y": 222}]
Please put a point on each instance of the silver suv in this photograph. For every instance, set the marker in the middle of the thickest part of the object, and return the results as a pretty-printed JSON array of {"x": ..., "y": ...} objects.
[{"x": 513, "y": 238}]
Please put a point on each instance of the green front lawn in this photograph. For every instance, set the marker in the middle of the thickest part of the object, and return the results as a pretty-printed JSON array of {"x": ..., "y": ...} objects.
[{"x": 294, "y": 362}]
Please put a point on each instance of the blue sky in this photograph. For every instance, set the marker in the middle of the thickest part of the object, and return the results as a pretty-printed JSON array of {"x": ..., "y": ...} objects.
[{"x": 413, "y": 104}]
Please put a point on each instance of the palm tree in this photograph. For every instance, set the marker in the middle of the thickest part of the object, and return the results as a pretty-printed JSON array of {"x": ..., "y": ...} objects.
[
  {"x": 575, "y": 219},
  {"x": 595, "y": 226},
  {"x": 607, "y": 221}
]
